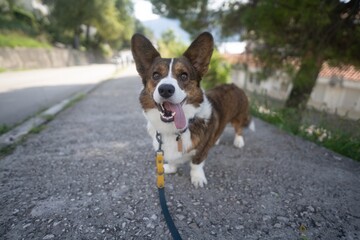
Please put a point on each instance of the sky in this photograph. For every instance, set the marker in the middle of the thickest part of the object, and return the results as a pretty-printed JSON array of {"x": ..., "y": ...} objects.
[{"x": 143, "y": 10}]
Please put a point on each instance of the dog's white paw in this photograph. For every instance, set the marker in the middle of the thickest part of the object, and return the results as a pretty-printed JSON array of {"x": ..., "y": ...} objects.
[
  {"x": 239, "y": 141},
  {"x": 170, "y": 168},
  {"x": 197, "y": 175},
  {"x": 217, "y": 141}
]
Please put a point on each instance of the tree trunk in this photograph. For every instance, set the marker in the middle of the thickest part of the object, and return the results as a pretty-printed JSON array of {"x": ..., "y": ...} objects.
[
  {"x": 76, "y": 43},
  {"x": 304, "y": 82},
  {"x": 87, "y": 35}
]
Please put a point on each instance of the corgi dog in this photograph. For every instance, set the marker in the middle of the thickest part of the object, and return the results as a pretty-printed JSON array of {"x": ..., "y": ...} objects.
[{"x": 188, "y": 119}]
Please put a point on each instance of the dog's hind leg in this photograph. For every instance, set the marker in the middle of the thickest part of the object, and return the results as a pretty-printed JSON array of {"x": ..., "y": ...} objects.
[
  {"x": 238, "y": 126},
  {"x": 217, "y": 141}
]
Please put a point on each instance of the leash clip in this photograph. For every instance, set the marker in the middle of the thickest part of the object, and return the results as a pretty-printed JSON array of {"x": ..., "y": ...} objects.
[
  {"x": 160, "y": 163},
  {"x": 160, "y": 180},
  {"x": 158, "y": 138}
]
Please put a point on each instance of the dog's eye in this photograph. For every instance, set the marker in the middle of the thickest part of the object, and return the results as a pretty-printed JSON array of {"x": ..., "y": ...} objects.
[
  {"x": 156, "y": 76},
  {"x": 184, "y": 76}
]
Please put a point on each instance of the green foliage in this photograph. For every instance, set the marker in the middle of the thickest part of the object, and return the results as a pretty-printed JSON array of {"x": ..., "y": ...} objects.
[
  {"x": 307, "y": 31},
  {"x": 19, "y": 27},
  {"x": 4, "y": 128},
  {"x": 111, "y": 19},
  {"x": 38, "y": 129},
  {"x": 283, "y": 118},
  {"x": 19, "y": 40},
  {"x": 26, "y": 17},
  {"x": 219, "y": 72},
  {"x": 339, "y": 141},
  {"x": 7, "y": 150},
  {"x": 192, "y": 14},
  {"x": 69, "y": 22},
  {"x": 169, "y": 46},
  {"x": 106, "y": 50},
  {"x": 19, "y": 21},
  {"x": 128, "y": 22},
  {"x": 140, "y": 28}
]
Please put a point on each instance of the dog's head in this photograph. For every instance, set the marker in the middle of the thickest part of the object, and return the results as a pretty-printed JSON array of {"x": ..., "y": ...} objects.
[{"x": 170, "y": 83}]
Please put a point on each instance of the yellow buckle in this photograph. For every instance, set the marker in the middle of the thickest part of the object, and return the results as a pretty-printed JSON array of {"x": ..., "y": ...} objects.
[{"x": 160, "y": 169}]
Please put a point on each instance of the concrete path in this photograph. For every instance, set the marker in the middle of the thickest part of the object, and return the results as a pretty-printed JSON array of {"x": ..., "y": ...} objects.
[
  {"x": 91, "y": 175},
  {"x": 22, "y": 94}
]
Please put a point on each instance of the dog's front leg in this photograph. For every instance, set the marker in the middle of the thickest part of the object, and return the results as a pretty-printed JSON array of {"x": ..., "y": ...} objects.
[
  {"x": 170, "y": 168},
  {"x": 197, "y": 174}
]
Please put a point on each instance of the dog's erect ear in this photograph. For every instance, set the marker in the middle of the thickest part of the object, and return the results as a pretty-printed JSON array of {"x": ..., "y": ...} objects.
[
  {"x": 200, "y": 51},
  {"x": 144, "y": 54}
]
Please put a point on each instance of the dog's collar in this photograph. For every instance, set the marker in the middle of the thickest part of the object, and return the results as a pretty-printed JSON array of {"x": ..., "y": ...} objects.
[
  {"x": 182, "y": 131},
  {"x": 191, "y": 120},
  {"x": 178, "y": 136}
]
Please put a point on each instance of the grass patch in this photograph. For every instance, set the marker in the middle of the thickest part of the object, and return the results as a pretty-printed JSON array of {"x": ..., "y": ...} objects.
[
  {"x": 48, "y": 117},
  {"x": 7, "y": 150},
  {"x": 38, "y": 129},
  {"x": 75, "y": 100},
  {"x": 13, "y": 40},
  {"x": 334, "y": 132},
  {"x": 2, "y": 70},
  {"x": 4, "y": 129}
]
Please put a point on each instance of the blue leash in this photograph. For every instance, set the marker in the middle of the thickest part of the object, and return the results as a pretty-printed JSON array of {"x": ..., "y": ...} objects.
[
  {"x": 161, "y": 187},
  {"x": 169, "y": 221}
]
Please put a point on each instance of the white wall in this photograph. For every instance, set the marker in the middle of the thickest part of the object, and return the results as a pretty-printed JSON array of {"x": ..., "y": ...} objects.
[{"x": 342, "y": 98}]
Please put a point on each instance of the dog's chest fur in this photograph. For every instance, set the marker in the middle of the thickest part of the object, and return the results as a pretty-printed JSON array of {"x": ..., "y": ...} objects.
[{"x": 171, "y": 136}]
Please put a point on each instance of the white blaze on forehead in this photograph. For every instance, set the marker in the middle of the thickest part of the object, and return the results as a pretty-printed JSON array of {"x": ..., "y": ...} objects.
[
  {"x": 179, "y": 94},
  {"x": 170, "y": 68}
]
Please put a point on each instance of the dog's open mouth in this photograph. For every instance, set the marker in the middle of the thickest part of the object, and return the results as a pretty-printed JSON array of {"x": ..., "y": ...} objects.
[{"x": 170, "y": 112}]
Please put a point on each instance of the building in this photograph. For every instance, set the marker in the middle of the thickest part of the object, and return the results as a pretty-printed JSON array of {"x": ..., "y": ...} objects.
[{"x": 337, "y": 90}]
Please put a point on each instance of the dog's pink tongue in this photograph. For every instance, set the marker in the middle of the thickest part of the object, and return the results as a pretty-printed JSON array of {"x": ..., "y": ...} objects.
[{"x": 179, "y": 118}]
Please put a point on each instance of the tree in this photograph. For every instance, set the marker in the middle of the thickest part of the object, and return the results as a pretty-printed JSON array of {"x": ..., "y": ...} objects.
[
  {"x": 303, "y": 34},
  {"x": 169, "y": 46},
  {"x": 104, "y": 15},
  {"x": 306, "y": 33},
  {"x": 125, "y": 17},
  {"x": 193, "y": 14}
]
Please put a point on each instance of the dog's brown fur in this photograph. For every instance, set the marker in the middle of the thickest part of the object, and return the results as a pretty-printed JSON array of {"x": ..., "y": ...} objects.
[{"x": 229, "y": 104}]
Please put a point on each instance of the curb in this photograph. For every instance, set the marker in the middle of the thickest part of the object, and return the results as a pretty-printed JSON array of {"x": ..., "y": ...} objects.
[{"x": 16, "y": 134}]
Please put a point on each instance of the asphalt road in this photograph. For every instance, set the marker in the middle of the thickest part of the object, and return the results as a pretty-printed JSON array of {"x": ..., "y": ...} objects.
[
  {"x": 90, "y": 174},
  {"x": 24, "y": 93}
]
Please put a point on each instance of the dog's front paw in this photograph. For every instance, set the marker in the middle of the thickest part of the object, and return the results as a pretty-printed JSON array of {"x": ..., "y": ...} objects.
[
  {"x": 239, "y": 141},
  {"x": 170, "y": 168},
  {"x": 198, "y": 180},
  {"x": 197, "y": 175}
]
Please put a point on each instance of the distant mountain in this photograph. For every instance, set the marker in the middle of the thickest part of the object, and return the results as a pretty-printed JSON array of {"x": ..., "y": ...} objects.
[{"x": 160, "y": 25}]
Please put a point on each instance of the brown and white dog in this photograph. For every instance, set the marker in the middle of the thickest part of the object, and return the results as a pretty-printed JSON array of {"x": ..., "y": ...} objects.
[{"x": 189, "y": 120}]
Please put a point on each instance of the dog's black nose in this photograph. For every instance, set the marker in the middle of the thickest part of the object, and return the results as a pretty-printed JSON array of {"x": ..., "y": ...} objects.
[{"x": 166, "y": 90}]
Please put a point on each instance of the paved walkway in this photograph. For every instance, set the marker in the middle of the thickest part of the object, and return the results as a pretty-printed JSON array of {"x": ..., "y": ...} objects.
[
  {"x": 24, "y": 93},
  {"x": 90, "y": 174}
]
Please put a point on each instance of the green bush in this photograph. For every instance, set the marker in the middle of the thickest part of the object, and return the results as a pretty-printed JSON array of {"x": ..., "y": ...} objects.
[
  {"x": 288, "y": 120},
  {"x": 20, "y": 21},
  {"x": 26, "y": 17},
  {"x": 219, "y": 72}
]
